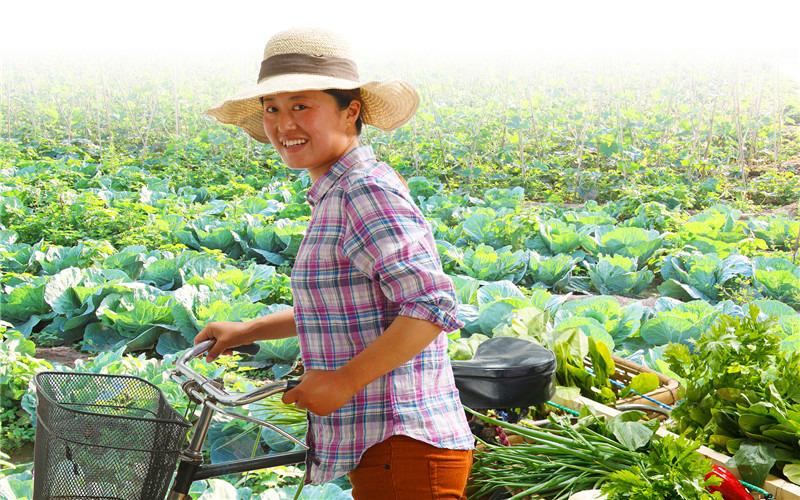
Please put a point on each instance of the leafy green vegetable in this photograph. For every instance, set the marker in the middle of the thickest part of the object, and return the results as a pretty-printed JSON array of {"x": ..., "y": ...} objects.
[
  {"x": 754, "y": 461},
  {"x": 714, "y": 230},
  {"x": 276, "y": 243},
  {"x": 632, "y": 242},
  {"x": 622, "y": 454},
  {"x": 681, "y": 323},
  {"x": 18, "y": 365},
  {"x": 211, "y": 233},
  {"x": 690, "y": 276},
  {"x": 571, "y": 346},
  {"x": 466, "y": 289},
  {"x": 740, "y": 388},
  {"x": 617, "y": 275},
  {"x": 464, "y": 348},
  {"x": 779, "y": 232},
  {"x": 17, "y": 486},
  {"x": 672, "y": 469},
  {"x": 554, "y": 272},
  {"x": 778, "y": 279},
  {"x": 557, "y": 237},
  {"x": 620, "y": 322},
  {"x": 642, "y": 384},
  {"x": 490, "y": 227},
  {"x": 486, "y": 263}
]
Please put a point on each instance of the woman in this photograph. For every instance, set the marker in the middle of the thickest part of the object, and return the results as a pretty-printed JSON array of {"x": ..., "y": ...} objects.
[{"x": 371, "y": 302}]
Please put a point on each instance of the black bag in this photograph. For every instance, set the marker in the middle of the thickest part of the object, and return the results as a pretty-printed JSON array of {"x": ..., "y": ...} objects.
[{"x": 506, "y": 372}]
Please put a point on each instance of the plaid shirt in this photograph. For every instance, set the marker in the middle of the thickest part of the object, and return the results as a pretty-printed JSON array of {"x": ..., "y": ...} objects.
[{"x": 369, "y": 255}]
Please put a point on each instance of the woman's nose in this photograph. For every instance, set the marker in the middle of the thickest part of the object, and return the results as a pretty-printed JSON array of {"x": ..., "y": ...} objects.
[{"x": 285, "y": 122}]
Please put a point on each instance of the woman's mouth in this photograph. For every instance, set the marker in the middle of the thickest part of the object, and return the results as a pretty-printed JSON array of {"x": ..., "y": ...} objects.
[{"x": 294, "y": 145}]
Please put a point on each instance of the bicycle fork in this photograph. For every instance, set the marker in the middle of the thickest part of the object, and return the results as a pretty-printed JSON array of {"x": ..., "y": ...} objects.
[{"x": 191, "y": 458}]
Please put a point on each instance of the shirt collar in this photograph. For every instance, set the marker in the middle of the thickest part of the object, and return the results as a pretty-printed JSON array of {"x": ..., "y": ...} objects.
[{"x": 323, "y": 184}]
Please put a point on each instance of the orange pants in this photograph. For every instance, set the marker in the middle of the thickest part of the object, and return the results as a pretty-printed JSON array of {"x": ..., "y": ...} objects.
[{"x": 403, "y": 468}]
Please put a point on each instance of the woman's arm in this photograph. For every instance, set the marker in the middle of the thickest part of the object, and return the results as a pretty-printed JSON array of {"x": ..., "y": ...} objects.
[
  {"x": 277, "y": 325},
  {"x": 229, "y": 334},
  {"x": 323, "y": 391}
]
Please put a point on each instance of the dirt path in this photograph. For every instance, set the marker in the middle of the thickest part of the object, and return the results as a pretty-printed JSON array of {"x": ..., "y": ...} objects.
[{"x": 63, "y": 355}]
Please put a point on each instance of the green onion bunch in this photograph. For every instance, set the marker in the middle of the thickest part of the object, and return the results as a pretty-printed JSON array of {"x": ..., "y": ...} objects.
[{"x": 621, "y": 454}]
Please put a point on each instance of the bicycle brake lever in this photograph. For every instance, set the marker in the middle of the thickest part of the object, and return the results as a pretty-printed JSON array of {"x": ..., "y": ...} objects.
[{"x": 251, "y": 349}]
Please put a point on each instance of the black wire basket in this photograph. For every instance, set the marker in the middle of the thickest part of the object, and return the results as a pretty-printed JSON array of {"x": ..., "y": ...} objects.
[{"x": 103, "y": 437}]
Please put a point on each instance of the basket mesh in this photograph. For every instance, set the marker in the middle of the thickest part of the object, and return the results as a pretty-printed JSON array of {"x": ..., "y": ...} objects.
[{"x": 103, "y": 436}]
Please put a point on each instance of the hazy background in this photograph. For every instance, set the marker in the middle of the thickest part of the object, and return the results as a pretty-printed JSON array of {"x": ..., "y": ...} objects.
[{"x": 437, "y": 28}]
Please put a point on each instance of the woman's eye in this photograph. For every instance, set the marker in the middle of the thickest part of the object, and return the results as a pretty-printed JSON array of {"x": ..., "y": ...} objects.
[
  {"x": 299, "y": 107},
  {"x": 270, "y": 109}
]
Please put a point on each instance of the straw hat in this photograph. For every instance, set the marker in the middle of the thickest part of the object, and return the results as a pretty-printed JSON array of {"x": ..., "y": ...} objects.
[{"x": 313, "y": 59}]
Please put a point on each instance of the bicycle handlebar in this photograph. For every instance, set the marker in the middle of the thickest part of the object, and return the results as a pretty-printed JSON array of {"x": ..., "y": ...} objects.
[{"x": 219, "y": 393}]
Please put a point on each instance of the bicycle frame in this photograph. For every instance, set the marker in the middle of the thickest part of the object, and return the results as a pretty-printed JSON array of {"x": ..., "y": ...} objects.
[
  {"x": 191, "y": 468},
  {"x": 210, "y": 392}
]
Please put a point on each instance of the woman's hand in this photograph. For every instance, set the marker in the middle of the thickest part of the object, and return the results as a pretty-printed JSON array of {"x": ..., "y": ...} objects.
[
  {"x": 321, "y": 392},
  {"x": 227, "y": 334}
]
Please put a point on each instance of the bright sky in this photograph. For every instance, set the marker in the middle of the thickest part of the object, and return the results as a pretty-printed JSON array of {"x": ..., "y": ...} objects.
[{"x": 412, "y": 26}]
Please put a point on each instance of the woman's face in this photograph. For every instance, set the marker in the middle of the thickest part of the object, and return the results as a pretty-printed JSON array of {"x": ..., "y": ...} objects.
[{"x": 309, "y": 130}]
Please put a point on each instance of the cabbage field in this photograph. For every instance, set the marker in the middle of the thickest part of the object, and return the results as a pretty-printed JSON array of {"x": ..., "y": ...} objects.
[{"x": 635, "y": 207}]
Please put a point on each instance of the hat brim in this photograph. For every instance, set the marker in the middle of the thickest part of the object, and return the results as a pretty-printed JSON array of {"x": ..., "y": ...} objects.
[{"x": 386, "y": 104}]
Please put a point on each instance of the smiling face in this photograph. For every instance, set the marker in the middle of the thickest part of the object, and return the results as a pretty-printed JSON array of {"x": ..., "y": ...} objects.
[{"x": 309, "y": 130}]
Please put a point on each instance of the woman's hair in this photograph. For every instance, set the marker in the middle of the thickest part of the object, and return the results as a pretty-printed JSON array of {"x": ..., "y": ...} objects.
[{"x": 344, "y": 97}]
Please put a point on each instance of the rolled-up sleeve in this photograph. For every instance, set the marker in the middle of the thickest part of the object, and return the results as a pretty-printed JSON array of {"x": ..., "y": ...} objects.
[{"x": 387, "y": 239}]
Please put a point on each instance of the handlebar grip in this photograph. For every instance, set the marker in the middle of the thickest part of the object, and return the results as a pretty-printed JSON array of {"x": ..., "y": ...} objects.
[
  {"x": 219, "y": 394},
  {"x": 291, "y": 384}
]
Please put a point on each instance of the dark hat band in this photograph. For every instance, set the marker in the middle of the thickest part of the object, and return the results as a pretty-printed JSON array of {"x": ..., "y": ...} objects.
[{"x": 282, "y": 64}]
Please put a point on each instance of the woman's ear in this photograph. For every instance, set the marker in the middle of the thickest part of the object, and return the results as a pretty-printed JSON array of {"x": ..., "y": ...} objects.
[{"x": 353, "y": 111}]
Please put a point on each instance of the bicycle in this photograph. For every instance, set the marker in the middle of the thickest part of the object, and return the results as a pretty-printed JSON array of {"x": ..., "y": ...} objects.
[
  {"x": 82, "y": 416},
  {"x": 92, "y": 411}
]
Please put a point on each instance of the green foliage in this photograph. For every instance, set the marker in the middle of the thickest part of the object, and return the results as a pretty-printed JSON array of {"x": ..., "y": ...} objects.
[
  {"x": 129, "y": 222},
  {"x": 741, "y": 388},
  {"x": 621, "y": 454},
  {"x": 484, "y": 262},
  {"x": 672, "y": 469},
  {"x": 617, "y": 275},
  {"x": 678, "y": 323},
  {"x": 693, "y": 275},
  {"x": 571, "y": 345},
  {"x": 17, "y": 367},
  {"x": 464, "y": 348},
  {"x": 554, "y": 272},
  {"x": 17, "y": 486},
  {"x": 618, "y": 321},
  {"x": 778, "y": 232},
  {"x": 276, "y": 243},
  {"x": 778, "y": 279},
  {"x": 495, "y": 228},
  {"x": 105, "y": 307},
  {"x": 633, "y": 242},
  {"x": 557, "y": 237}
]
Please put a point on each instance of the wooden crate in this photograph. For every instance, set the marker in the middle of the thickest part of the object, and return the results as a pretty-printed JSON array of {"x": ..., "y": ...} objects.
[{"x": 666, "y": 392}]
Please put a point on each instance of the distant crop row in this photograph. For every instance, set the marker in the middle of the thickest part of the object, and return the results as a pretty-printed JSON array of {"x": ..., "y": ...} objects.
[{"x": 692, "y": 132}]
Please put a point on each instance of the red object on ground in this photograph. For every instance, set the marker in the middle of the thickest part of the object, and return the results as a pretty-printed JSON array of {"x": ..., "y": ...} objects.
[{"x": 730, "y": 487}]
